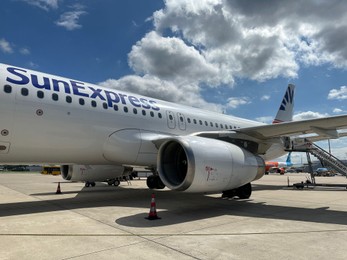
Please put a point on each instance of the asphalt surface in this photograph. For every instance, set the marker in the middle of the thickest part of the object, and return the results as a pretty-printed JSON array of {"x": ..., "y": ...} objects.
[{"x": 104, "y": 222}]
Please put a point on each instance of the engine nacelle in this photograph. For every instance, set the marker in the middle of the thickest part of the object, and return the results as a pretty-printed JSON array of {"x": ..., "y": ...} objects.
[
  {"x": 198, "y": 164},
  {"x": 93, "y": 173}
]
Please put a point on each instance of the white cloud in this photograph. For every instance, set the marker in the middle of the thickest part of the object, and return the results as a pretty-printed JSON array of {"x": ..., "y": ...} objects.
[
  {"x": 24, "y": 51},
  {"x": 165, "y": 90},
  {"x": 265, "y": 119},
  {"x": 69, "y": 20},
  {"x": 258, "y": 40},
  {"x": 265, "y": 97},
  {"x": 44, "y": 4},
  {"x": 5, "y": 46},
  {"x": 308, "y": 115},
  {"x": 213, "y": 42},
  {"x": 235, "y": 102},
  {"x": 337, "y": 110},
  {"x": 33, "y": 65},
  {"x": 338, "y": 94},
  {"x": 171, "y": 59}
]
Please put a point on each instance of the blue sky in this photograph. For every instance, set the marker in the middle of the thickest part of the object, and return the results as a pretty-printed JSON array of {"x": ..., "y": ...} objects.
[{"x": 231, "y": 56}]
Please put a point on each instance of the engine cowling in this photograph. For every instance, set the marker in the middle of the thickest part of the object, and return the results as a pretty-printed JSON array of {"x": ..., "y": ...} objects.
[
  {"x": 93, "y": 173},
  {"x": 198, "y": 164}
]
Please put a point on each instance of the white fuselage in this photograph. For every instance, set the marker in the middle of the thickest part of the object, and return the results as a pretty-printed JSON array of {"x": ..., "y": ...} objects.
[{"x": 50, "y": 119}]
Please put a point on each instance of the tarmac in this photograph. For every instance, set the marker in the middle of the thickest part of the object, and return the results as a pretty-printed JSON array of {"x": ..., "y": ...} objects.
[{"x": 107, "y": 222}]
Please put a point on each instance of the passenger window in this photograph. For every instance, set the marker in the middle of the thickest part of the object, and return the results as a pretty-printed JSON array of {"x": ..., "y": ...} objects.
[
  {"x": 135, "y": 111},
  {"x": 211, "y": 124},
  {"x": 7, "y": 89},
  {"x": 68, "y": 99},
  {"x": 143, "y": 112},
  {"x": 159, "y": 115},
  {"x": 152, "y": 114},
  {"x": 93, "y": 103},
  {"x": 55, "y": 97},
  {"x": 24, "y": 91},
  {"x": 206, "y": 124},
  {"x": 194, "y": 120},
  {"x": 126, "y": 109},
  {"x": 181, "y": 119},
  {"x": 104, "y": 105},
  {"x": 221, "y": 126},
  {"x": 115, "y": 107},
  {"x": 188, "y": 119},
  {"x": 170, "y": 117},
  {"x": 216, "y": 125},
  {"x": 40, "y": 94},
  {"x": 200, "y": 122},
  {"x": 81, "y": 101}
]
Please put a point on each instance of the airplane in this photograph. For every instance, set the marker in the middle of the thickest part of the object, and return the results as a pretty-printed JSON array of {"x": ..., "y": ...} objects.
[
  {"x": 280, "y": 166},
  {"x": 96, "y": 133}
]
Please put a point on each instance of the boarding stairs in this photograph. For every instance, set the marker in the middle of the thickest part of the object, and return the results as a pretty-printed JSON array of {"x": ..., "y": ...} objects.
[
  {"x": 324, "y": 156},
  {"x": 328, "y": 159}
]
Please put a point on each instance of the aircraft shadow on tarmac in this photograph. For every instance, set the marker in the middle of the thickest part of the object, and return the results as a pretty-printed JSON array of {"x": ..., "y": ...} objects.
[{"x": 172, "y": 207}]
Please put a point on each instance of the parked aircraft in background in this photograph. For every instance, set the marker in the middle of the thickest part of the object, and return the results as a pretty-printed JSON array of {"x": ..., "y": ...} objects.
[
  {"x": 279, "y": 166},
  {"x": 97, "y": 133}
]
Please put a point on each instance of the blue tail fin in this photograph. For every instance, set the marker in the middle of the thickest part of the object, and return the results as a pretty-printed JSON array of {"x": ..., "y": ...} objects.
[
  {"x": 289, "y": 160},
  {"x": 285, "y": 111}
]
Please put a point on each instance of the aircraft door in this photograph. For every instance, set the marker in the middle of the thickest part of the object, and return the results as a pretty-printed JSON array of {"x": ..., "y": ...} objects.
[
  {"x": 171, "y": 121},
  {"x": 181, "y": 121}
]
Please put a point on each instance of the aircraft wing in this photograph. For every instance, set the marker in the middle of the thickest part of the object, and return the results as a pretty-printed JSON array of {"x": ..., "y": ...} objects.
[
  {"x": 325, "y": 127},
  {"x": 317, "y": 138}
]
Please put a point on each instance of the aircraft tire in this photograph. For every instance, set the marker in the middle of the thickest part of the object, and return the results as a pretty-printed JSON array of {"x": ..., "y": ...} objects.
[
  {"x": 151, "y": 182},
  {"x": 229, "y": 194},
  {"x": 160, "y": 184},
  {"x": 244, "y": 192}
]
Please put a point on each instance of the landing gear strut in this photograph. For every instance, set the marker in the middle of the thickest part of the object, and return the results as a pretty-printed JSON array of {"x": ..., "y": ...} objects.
[
  {"x": 243, "y": 192},
  {"x": 154, "y": 182}
]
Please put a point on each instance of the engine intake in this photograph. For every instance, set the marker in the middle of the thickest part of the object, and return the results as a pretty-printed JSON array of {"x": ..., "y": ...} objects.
[{"x": 198, "y": 164}]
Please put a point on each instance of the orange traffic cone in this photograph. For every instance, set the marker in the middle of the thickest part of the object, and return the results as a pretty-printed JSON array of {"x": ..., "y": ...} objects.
[
  {"x": 153, "y": 212},
  {"x": 58, "y": 189}
]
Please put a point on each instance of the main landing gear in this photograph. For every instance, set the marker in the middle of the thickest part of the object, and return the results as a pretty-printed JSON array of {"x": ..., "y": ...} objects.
[
  {"x": 110, "y": 182},
  {"x": 154, "y": 182},
  {"x": 243, "y": 192},
  {"x": 114, "y": 182},
  {"x": 89, "y": 183}
]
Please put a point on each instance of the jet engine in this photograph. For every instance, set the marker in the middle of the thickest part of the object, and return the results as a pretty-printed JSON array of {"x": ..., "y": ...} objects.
[
  {"x": 198, "y": 164},
  {"x": 92, "y": 173}
]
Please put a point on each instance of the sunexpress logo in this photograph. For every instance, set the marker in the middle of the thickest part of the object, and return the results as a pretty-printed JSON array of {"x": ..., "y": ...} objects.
[{"x": 22, "y": 77}]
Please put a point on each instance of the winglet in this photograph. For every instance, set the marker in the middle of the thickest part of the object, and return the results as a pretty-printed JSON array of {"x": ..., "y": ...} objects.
[{"x": 285, "y": 111}]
